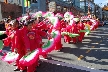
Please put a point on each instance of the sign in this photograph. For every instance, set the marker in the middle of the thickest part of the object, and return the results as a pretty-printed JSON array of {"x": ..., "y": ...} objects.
[
  {"x": 26, "y": 3},
  {"x": 52, "y": 6}
]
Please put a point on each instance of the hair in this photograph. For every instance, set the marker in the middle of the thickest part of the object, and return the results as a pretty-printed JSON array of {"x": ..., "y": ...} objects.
[
  {"x": 32, "y": 20},
  {"x": 40, "y": 19},
  {"x": 77, "y": 22},
  {"x": 29, "y": 22},
  {"x": 7, "y": 20},
  {"x": 15, "y": 21}
]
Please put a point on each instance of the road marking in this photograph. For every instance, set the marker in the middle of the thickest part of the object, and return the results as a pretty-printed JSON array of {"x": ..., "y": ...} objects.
[
  {"x": 100, "y": 40},
  {"x": 93, "y": 46},
  {"x": 97, "y": 43},
  {"x": 88, "y": 51},
  {"x": 101, "y": 48},
  {"x": 72, "y": 65}
]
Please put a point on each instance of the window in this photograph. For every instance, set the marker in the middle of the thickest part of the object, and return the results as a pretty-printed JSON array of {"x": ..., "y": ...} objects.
[
  {"x": 19, "y": 1},
  {"x": 81, "y": 0}
]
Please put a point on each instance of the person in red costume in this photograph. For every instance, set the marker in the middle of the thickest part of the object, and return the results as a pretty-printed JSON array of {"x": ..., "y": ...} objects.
[
  {"x": 32, "y": 40},
  {"x": 63, "y": 28},
  {"x": 71, "y": 28},
  {"x": 63, "y": 24},
  {"x": 12, "y": 36},
  {"x": 53, "y": 27},
  {"x": 80, "y": 26},
  {"x": 89, "y": 22},
  {"x": 15, "y": 40},
  {"x": 57, "y": 26},
  {"x": 40, "y": 25},
  {"x": 33, "y": 33},
  {"x": 20, "y": 48},
  {"x": 67, "y": 39},
  {"x": 74, "y": 29}
]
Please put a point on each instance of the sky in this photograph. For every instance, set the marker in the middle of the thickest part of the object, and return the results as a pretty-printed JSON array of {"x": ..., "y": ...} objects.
[{"x": 101, "y": 2}]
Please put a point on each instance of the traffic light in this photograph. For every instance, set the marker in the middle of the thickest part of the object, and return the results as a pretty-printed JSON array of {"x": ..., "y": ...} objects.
[
  {"x": 6, "y": 1},
  {"x": 26, "y": 3}
]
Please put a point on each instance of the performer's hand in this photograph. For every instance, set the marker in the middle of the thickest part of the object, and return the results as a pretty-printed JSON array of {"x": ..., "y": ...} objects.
[
  {"x": 28, "y": 50},
  {"x": 12, "y": 35},
  {"x": 15, "y": 50},
  {"x": 49, "y": 35}
]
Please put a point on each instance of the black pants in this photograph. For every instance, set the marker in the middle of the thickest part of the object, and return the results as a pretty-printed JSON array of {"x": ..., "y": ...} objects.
[{"x": 3, "y": 36}]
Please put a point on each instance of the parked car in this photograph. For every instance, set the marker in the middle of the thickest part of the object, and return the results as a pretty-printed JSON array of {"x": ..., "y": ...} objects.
[
  {"x": 105, "y": 22},
  {"x": 101, "y": 23}
]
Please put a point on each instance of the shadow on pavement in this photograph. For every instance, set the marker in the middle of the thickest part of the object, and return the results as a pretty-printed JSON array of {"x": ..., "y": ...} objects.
[
  {"x": 48, "y": 67},
  {"x": 97, "y": 43}
]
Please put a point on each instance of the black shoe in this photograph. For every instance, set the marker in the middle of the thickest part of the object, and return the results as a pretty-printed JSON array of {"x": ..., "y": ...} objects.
[{"x": 16, "y": 69}]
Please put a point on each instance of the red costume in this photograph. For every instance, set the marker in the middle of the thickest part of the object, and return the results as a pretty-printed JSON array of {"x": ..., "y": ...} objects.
[
  {"x": 16, "y": 42},
  {"x": 71, "y": 29},
  {"x": 67, "y": 39},
  {"x": 74, "y": 30},
  {"x": 58, "y": 45},
  {"x": 65, "y": 28},
  {"x": 33, "y": 40},
  {"x": 21, "y": 48},
  {"x": 12, "y": 39},
  {"x": 81, "y": 26},
  {"x": 41, "y": 26}
]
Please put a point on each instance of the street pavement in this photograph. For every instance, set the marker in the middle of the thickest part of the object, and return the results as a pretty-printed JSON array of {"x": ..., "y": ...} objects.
[{"x": 89, "y": 56}]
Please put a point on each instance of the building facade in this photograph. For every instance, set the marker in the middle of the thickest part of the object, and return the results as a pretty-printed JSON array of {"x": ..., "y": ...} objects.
[
  {"x": 104, "y": 15},
  {"x": 59, "y": 5},
  {"x": 84, "y": 4},
  {"x": 39, "y": 5},
  {"x": 11, "y": 8},
  {"x": 101, "y": 12}
]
